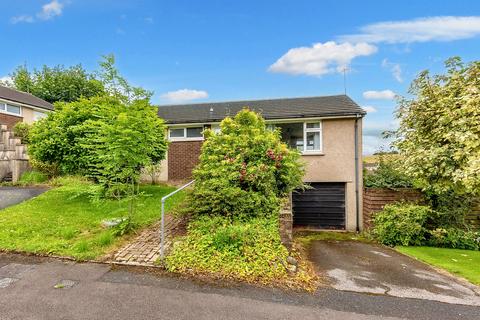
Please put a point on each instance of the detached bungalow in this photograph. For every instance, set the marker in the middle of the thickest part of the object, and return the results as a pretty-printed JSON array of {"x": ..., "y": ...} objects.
[
  {"x": 17, "y": 106},
  {"x": 326, "y": 130}
]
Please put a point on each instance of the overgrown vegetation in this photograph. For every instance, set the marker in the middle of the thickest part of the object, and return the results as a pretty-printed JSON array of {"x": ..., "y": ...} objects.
[
  {"x": 388, "y": 174},
  {"x": 402, "y": 224},
  {"x": 233, "y": 248},
  {"x": 244, "y": 169},
  {"x": 244, "y": 172},
  {"x": 108, "y": 138},
  {"x": 438, "y": 136},
  {"x": 22, "y": 131},
  {"x": 416, "y": 225},
  {"x": 64, "y": 220},
  {"x": 33, "y": 177}
]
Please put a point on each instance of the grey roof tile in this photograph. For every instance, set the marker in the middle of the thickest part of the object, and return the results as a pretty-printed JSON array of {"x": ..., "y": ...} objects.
[
  {"x": 339, "y": 105},
  {"x": 24, "y": 98}
]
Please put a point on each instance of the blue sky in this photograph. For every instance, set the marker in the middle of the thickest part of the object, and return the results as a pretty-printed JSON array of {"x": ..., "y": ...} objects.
[{"x": 194, "y": 51}]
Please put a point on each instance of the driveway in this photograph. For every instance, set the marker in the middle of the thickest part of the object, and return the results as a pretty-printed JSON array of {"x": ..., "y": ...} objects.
[
  {"x": 41, "y": 288},
  {"x": 375, "y": 269},
  {"x": 13, "y": 195}
]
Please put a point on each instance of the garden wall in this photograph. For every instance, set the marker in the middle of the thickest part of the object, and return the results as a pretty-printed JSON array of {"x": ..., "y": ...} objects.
[
  {"x": 473, "y": 218},
  {"x": 286, "y": 223},
  {"x": 375, "y": 199}
]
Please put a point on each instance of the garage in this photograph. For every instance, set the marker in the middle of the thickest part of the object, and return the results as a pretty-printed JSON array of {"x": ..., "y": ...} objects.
[{"x": 322, "y": 206}]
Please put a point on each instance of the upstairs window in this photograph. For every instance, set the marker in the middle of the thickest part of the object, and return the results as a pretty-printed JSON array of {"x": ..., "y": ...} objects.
[{"x": 306, "y": 137}]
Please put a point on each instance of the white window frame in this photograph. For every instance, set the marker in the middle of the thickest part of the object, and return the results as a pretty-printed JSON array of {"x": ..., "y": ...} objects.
[
  {"x": 3, "y": 109},
  {"x": 185, "y": 138},
  {"x": 305, "y": 131}
]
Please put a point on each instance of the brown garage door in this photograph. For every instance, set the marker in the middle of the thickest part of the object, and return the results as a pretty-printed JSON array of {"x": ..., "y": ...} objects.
[{"x": 322, "y": 206}]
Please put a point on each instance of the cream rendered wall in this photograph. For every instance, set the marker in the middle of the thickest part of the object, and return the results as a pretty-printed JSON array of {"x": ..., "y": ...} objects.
[
  {"x": 337, "y": 163},
  {"x": 27, "y": 114}
]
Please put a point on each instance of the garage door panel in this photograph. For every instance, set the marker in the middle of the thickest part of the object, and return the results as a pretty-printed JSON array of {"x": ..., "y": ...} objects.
[
  {"x": 321, "y": 197},
  {"x": 322, "y": 206}
]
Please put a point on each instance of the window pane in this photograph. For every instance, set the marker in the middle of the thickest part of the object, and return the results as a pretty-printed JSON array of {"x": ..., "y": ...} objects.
[
  {"x": 313, "y": 125},
  {"x": 194, "y": 132},
  {"x": 13, "y": 109},
  {"x": 292, "y": 134},
  {"x": 37, "y": 115},
  {"x": 3, "y": 106},
  {"x": 176, "y": 133},
  {"x": 313, "y": 141}
]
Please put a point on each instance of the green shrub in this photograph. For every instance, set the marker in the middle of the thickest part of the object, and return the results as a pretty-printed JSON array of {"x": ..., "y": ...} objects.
[
  {"x": 248, "y": 249},
  {"x": 388, "y": 174},
  {"x": 103, "y": 138},
  {"x": 50, "y": 169},
  {"x": 32, "y": 177},
  {"x": 402, "y": 224},
  {"x": 22, "y": 130},
  {"x": 454, "y": 238},
  {"x": 244, "y": 169}
]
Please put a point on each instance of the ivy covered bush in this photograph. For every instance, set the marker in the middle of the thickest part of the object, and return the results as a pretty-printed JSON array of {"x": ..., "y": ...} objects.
[{"x": 245, "y": 169}]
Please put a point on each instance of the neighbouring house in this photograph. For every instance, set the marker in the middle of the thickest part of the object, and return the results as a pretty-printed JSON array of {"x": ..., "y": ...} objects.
[
  {"x": 327, "y": 130},
  {"x": 17, "y": 106}
]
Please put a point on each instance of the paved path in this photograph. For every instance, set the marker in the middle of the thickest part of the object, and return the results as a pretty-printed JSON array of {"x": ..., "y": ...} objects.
[
  {"x": 374, "y": 269},
  {"x": 95, "y": 291},
  {"x": 13, "y": 195}
]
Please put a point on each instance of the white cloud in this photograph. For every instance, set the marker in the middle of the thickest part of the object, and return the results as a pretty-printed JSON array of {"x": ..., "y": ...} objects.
[
  {"x": 369, "y": 109},
  {"x": 321, "y": 58},
  {"x": 185, "y": 95},
  {"x": 49, "y": 10},
  {"x": 383, "y": 95},
  {"x": 394, "y": 68},
  {"x": 372, "y": 136},
  {"x": 6, "y": 80},
  {"x": 441, "y": 28},
  {"x": 22, "y": 18}
]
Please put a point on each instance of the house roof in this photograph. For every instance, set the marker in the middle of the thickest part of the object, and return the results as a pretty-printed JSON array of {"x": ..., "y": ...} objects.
[
  {"x": 24, "y": 98},
  {"x": 287, "y": 108}
]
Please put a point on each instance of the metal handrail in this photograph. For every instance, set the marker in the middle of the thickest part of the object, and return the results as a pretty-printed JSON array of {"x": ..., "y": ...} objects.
[{"x": 162, "y": 228}]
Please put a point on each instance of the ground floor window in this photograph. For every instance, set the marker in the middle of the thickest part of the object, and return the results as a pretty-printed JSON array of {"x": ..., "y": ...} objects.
[
  {"x": 8, "y": 108},
  {"x": 185, "y": 133}
]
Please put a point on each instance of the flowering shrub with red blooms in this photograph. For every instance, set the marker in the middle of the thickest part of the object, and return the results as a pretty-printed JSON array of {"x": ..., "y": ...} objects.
[{"x": 245, "y": 169}]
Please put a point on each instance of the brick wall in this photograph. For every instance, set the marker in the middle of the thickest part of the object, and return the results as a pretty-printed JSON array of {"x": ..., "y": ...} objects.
[
  {"x": 9, "y": 120},
  {"x": 182, "y": 158},
  {"x": 375, "y": 199}
]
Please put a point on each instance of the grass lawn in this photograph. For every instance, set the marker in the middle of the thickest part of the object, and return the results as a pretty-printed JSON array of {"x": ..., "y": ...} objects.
[
  {"x": 63, "y": 221},
  {"x": 465, "y": 263}
]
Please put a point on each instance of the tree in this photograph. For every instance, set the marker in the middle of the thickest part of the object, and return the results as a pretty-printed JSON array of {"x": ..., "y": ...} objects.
[
  {"x": 57, "y": 83},
  {"x": 439, "y": 133},
  {"x": 244, "y": 169},
  {"x": 116, "y": 85}
]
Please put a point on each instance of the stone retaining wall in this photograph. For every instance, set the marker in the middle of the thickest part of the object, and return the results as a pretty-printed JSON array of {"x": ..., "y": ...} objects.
[{"x": 286, "y": 223}]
